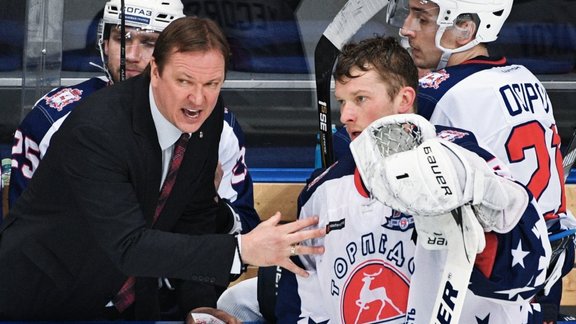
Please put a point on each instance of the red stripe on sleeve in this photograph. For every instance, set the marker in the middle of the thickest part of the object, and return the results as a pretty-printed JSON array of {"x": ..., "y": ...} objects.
[{"x": 485, "y": 260}]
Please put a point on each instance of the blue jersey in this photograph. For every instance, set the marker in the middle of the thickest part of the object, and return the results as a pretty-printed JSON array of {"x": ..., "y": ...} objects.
[
  {"x": 32, "y": 139},
  {"x": 373, "y": 270}
]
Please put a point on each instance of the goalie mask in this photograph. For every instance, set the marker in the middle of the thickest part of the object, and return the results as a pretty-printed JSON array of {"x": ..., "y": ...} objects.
[
  {"x": 149, "y": 16},
  {"x": 487, "y": 15}
]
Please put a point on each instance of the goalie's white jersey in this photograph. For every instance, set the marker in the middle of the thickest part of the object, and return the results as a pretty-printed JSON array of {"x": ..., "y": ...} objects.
[
  {"x": 373, "y": 271},
  {"x": 509, "y": 111}
]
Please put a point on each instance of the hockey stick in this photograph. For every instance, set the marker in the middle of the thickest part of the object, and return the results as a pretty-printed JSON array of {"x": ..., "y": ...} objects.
[
  {"x": 347, "y": 22},
  {"x": 122, "y": 41},
  {"x": 462, "y": 242},
  {"x": 569, "y": 156}
]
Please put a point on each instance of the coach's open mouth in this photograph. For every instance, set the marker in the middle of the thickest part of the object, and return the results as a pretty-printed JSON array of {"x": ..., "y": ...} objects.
[{"x": 191, "y": 113}]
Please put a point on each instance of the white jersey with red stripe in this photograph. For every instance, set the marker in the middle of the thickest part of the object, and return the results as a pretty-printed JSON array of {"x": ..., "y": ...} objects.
[
  {"x": 373, "y": 271},
  {"x": 509, "y": 111}
]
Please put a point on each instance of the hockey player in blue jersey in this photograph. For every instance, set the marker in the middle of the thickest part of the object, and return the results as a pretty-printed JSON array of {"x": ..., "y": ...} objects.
[
  {"x": 32, "y": 138},
  {"x": 375, "y": 268},
  {"x": 503, "y": 104}
]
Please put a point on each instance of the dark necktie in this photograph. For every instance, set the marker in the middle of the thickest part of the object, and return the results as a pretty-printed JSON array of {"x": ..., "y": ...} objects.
[{"x": 125, "y": 296}]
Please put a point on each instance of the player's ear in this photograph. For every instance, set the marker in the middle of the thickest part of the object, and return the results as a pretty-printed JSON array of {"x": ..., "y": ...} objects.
[
  {"x": 465, "y": 32},
  {"x": 406, "y": 98}
]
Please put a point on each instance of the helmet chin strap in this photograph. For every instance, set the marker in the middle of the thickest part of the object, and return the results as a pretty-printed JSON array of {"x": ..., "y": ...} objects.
[
  {"x": 443, "y": 60},
  {"x": 104, "y": 66},
  {"x": 100, "y": 43}
]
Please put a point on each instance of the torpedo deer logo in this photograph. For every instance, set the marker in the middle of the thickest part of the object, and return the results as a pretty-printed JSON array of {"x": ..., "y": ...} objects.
[{"x": 374, "y": 293}]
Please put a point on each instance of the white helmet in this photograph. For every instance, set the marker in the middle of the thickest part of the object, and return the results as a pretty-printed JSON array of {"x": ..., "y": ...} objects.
[
  {"x": 491, "y": 15},
  {"x": 148, "y": 15},
  {"x": 153, "y": 15}
]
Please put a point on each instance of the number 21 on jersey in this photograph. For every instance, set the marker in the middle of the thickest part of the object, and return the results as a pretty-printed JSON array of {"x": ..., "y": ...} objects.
[{"x": 532, "y": 136}]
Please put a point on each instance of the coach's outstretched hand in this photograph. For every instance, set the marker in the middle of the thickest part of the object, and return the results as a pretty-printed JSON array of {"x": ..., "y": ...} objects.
[{"x": 272, "y": 244}]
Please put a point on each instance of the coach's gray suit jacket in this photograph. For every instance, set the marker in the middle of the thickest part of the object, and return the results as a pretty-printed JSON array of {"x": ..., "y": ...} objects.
[{"x": 85, "y": 222}]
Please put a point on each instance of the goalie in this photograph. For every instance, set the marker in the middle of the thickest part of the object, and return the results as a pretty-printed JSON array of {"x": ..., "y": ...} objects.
[{"x": 419, "y": 227}]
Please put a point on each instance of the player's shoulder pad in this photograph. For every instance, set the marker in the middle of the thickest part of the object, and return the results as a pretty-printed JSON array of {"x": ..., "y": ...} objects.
[
  {"x": 231, "y": 120},
  {"x": 229, "y": 116},
  {"x": 342, "y": 167},
  {"x": 57, "y": 103},
  {"x": 463, "y": 138},
  {"x": 456, "y": 73},
  {"x": 455, "y": 135},
  {"x": 63, "y": 99},
  {"x": 433, "y": 86}
]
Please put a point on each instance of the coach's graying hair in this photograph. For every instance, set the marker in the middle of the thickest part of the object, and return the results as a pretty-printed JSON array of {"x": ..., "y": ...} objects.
[
  {"x": 190, "y": 34},
  {"x": 383, "y": 54}
]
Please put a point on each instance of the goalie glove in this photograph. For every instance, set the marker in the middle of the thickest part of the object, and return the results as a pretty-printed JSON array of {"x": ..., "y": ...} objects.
[
  {"x": 386, "y": 136},
  {"x": 435, "y": 178}
]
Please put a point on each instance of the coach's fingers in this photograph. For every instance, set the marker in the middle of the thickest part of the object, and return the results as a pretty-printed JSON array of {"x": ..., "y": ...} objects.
[
  {"x": 295, "y": 250},
  {"x": 303, "y": 235},
  {"x": 272, "y": 220},
  {"x": 271, "y": 244},
  {"x": 292, "y": 267},
  {"x": 299, "y": 224},
  {"x": 306, "y": 250}
]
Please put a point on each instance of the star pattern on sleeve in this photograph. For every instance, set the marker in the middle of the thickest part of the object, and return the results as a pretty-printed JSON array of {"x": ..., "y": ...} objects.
[
  {"x": 536, "y": 231},
  {"x": 542, "y": 265},
  {"x": 518, "y": 255},
  {"x": 514, "y": 294}
]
